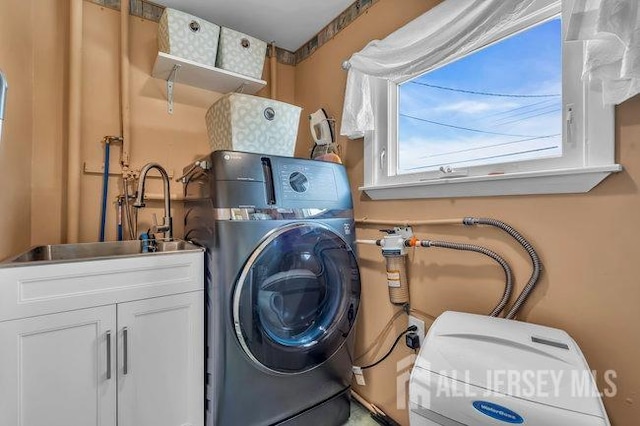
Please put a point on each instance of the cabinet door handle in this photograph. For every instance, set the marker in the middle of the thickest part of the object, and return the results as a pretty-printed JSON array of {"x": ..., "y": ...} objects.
[
  {"x": 108, "y": 354},
  {"x": 125, "y": 350}
]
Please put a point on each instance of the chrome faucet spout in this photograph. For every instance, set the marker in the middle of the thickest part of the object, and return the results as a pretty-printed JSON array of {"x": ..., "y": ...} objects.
[{"x": 167, "y": 225}]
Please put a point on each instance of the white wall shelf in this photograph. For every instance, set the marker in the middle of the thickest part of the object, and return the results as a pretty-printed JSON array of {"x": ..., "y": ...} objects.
[{"x": 204, "y": 76}]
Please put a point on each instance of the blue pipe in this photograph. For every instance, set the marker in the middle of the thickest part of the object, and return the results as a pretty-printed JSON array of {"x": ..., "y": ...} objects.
[{"x": 105, "y": 189}]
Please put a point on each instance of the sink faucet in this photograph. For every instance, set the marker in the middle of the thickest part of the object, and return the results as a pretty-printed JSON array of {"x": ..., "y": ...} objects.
[{"x": 167, "y": 224}]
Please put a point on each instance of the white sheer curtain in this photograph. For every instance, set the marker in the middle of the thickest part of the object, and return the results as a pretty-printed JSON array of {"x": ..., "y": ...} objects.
[
  {"x": 452, "y": 28},
  {"x": 611, "y": 29}
]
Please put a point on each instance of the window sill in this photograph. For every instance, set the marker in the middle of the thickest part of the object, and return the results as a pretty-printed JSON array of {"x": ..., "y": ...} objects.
[{"x": 564, "y": 181}]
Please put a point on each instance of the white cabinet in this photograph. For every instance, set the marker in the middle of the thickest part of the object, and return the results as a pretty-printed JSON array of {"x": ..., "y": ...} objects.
[
  {"x": 62, "y": 342},
  {"x": 161, "y": 347},
  {"x": 54, "y": 369},
  {"x": 62, "y": 369}
]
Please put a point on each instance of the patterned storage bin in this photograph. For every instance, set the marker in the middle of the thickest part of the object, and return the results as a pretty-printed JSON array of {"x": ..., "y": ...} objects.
[
  {"x": 188, "y": 37},
  {"x": 240, "y": 53},
  {"x": 248, "y": 123}
]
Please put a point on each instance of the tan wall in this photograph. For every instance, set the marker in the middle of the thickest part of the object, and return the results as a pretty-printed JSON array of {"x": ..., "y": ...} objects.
[
  {"x": 36, "y": 63},
  {"x": 17, "y": 61},
  {"x": 285, "y": 84},
  {"x": 171, "y": 140},
  {"x": 51, "y": 55},
  {"x": 588, "y": 242}
]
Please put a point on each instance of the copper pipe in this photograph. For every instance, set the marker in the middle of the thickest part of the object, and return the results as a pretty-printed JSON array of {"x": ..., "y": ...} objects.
[
  {"x": 160, "y": 197},
  {"x": 74, "y": 149},
  {"x": 365, "y": 221},
  {"x": 362, "y": 401},
  {"x": 273, "y": 62},
  {"x": 125, "y": 104},
  {"x": 366, "y": 404},
  {"x": 370, "y": 242}
]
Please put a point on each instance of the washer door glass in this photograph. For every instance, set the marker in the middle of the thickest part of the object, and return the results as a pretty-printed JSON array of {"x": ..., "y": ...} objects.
[{"x": 296, "y": 299}]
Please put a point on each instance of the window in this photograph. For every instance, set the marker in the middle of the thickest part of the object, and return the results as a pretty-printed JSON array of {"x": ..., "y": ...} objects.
[
  {"x": 486, "y": 108},
  {"x": 512, "y": 117}
]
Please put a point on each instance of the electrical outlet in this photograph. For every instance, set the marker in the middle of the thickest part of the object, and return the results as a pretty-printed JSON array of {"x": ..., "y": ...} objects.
[{"x": 420, "y": 324}]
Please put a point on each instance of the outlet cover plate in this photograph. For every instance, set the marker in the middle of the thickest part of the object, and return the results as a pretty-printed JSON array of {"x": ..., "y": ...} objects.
[{"x": 420, "y": 324}]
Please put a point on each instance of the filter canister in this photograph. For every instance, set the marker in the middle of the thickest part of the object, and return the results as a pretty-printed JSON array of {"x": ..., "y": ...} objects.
[{"x": 397, "y": 279}]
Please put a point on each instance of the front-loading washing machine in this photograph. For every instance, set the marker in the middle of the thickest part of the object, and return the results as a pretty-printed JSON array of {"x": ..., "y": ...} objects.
[{"x": 283, "y": 287}]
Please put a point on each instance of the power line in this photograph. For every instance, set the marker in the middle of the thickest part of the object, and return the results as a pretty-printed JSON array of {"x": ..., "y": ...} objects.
[
  {"x": 472, "y": 130},
  {"x": 485, "y": 158},
  {"x": 521, "y": 111},
  {"x": 489, "y": 146},
  {"x": 531, "y": 116},
  {"x": 473, "y": 92},
  {"x": 509, "y": 111},
  {"x": 546, "y": 101}
]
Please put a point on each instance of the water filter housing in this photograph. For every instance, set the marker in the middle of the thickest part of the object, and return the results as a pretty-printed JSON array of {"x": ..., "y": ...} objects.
[{"x": 479, "y": 370}]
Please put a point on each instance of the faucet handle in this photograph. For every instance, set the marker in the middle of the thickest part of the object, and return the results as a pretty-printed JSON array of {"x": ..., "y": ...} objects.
[{"x": 154, "y": 227}]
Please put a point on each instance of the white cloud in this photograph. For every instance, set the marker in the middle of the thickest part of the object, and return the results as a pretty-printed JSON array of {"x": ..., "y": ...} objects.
[
  {"x": 430, "y": 152},
  {"x": 468, "y": 107}
]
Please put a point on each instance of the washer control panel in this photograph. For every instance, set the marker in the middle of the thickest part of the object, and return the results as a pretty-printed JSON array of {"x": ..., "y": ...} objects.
[
  {"x": 307, "y": 182},
  {"x": 298, "y": 182}
]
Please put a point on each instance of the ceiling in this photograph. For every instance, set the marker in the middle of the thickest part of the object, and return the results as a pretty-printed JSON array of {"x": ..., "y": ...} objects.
[{"x": 290, "y": 23}]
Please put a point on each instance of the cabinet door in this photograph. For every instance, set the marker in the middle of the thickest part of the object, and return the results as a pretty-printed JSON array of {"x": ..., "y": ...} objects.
[
  {"x": 53, "y": 369},
  {"x": 161, "y": 361}
]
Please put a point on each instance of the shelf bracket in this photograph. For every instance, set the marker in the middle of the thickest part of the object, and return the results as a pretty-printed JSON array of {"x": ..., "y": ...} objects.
[
  {"x": 171, "y": 80},
  {"x": 241, "y": 88}
]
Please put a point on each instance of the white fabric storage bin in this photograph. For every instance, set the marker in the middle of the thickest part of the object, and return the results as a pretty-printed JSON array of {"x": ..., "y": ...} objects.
[
  {"x": 249, "y": 123},
  {"x": 241, "y": 53},
  {"x": 188, "y": 37}
]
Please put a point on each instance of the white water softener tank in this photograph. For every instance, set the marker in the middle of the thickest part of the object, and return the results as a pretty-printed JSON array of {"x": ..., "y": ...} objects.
[{"x": 478, "y": 370}]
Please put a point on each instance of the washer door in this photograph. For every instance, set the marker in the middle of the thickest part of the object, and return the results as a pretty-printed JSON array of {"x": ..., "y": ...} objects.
[{"x": 296, "y": 299}]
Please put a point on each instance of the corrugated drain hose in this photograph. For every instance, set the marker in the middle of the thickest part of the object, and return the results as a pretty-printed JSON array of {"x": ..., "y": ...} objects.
[
  {"x": 508, "y": 287},
  {"x": 535, "y": 259}
]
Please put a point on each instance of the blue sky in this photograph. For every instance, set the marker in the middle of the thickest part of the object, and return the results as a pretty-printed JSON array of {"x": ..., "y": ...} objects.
[{"x": 513, "y": 113}]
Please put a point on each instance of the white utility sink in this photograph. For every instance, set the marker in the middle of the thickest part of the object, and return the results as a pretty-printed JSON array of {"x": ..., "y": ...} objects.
[{"x": 53, "y": 278}]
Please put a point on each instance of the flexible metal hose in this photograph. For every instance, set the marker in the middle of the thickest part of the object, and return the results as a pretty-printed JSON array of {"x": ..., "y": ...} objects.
[
  {"x": 508, "y": 287},
  {"x": 127, "y": 210},
  {"x": 535, "y": 259}
]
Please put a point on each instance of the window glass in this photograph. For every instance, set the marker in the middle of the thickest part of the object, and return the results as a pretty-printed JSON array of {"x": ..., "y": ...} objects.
[{"x": 500, "y": 104}]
